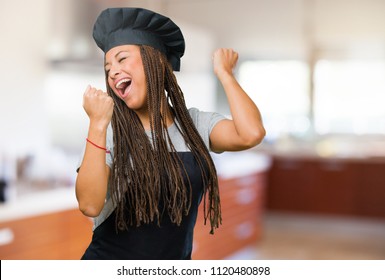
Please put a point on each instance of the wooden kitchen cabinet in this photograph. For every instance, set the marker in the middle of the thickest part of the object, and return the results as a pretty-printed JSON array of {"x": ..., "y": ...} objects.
[
  {"x": 288, "y": 183},
  {"x": 327, "y": 186},
  {"x": 242, "y": 201},
  {"x": 370, "y": 189},
  {"x": 61, "y": 235}
]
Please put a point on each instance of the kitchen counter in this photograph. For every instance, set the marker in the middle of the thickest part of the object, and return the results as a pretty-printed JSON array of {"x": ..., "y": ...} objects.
[
  {"x": 351, "y": 186},
  {"x": 328, "y": 147},
  {"x": 38, "y": 203}
]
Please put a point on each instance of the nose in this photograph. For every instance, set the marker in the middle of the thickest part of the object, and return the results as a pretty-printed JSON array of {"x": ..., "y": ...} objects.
[{"x": 114, "y": 71}]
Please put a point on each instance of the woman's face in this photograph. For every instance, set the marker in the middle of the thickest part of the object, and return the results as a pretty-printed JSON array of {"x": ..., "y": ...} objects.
[{"x": 125, "y": 72}]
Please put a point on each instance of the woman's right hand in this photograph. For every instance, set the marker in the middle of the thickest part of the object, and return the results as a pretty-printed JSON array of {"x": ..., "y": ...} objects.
[{"x": 98, "y": 106}]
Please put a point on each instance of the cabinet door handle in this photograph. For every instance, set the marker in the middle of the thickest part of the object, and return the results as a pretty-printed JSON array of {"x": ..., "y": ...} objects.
[
  {"x": 6, "y": 236},
  {"x": 244, "y": 230},
  {"x": 246, "y": 196}
]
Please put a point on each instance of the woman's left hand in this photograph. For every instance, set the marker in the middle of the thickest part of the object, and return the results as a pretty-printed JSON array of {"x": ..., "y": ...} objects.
[{"x": 224, "y": 60}]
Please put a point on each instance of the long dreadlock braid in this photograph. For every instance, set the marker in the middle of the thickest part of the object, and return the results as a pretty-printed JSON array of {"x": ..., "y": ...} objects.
[{"x": 146, "y": 172}]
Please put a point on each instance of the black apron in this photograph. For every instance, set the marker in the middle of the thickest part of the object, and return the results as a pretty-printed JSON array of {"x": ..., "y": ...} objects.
[{"x": 151, "y": 241}]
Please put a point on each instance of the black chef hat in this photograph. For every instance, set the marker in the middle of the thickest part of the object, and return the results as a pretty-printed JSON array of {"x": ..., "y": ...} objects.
[{"x": 137, "y": 26}]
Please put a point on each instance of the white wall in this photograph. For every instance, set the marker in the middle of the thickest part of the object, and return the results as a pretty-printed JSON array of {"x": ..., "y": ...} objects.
[{"x": 23, "y": 37}]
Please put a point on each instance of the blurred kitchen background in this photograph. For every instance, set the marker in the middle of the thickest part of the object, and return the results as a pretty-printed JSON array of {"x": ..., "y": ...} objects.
[{"x": 315, "y": 187}]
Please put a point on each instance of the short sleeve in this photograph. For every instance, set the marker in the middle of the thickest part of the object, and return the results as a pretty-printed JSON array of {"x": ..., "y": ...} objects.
[
  {"x": 205, "y": 122},
  {"x": 109, "y": 146}
]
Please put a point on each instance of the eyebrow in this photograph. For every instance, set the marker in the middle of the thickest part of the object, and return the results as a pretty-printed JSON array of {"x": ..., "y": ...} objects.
[{"x": 107, "y": 63}]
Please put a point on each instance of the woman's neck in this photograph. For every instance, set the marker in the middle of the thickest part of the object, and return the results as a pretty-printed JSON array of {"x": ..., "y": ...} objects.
[{"x": 145, "y": 119}]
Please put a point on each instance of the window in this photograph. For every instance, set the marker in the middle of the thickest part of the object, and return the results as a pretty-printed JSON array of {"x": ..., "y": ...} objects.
[
  {"x": 280, "y": 89},
  {"x": 349, "y": 96}
]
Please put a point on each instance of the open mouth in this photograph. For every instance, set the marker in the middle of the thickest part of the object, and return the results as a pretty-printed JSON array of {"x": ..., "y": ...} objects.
[{"x": 123, "y": 87}]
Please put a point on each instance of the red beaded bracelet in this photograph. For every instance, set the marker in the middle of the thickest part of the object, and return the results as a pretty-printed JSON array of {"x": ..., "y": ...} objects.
[{"x": 97, "y": 146}]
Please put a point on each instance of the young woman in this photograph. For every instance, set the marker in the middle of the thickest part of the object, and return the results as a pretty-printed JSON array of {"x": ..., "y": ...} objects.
[{"x": 147, "y": 165}]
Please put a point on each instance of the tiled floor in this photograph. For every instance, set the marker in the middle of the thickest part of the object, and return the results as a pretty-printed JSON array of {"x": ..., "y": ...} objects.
[{"x": 303, "y": 237}]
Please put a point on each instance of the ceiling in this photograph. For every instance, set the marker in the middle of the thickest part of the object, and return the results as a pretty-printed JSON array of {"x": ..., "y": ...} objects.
[{"x": 272, "y": 29}]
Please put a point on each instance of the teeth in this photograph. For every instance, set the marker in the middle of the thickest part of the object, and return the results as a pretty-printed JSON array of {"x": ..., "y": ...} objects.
[{"x": 121, "y": 82}]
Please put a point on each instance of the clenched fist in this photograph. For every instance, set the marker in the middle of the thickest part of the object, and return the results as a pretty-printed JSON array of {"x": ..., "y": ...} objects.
[
  {"x": 224, "y": 61},
  {"x": 98, "y": 106}
]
